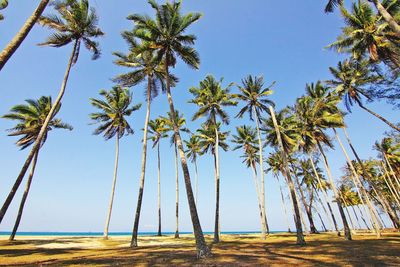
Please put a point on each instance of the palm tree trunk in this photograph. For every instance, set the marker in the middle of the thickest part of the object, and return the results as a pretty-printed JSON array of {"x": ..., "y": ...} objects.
[
  {"x": 255, "y": 176},
  {"x": 324, "y": 194},
  {"x": 24, "y": 197},
  {"x": 359, "y": 186},
  {"x": 105, "y": 235},
  {"x": 260, "y": 151},
  {"x": 391, "y": 171},
  {"x": 356, "y": 216},
  {"x": 159, "y": 188},
  {"x": 203, "y": 250},
  {"x": 385, "y": 174},
  {"x": 217, "y": 184},
  {"x": 39, "y": 138},
  {"x": 347, "y": 233},
  {"x": 286, "y": 173},
  {"x": 283, "y": 203},
  {"x": 196, "y": 182},
  {"x": 134, "y": 239},
  {"x": 347, "y": 211},
  {"x": 323, "y": 207},
  {"x": 382, "y": 199},
  {"x": 13, "y": 45},
  {"x": 387, "y": 17},
  {"x": 176, "y": 193},
  {"x": 381, "y": 118},
  {"x": 363, "y": 218}
]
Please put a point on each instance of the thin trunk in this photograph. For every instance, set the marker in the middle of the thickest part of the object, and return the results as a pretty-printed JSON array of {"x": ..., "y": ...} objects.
[
  {"x": 363, "y": 218},
  {"x": 347, "y": 233},
  {"x": 283, "y": 203},
  {"x": 381, "y": 118},
  {"x": 159, "y": 188},
  {"x": 327, "y": 200},
  {"x": 323, "y": 207},
  {"x": 259, "y": 201},
  {"x": 24, "y": 197},
  {"x": 390, "y": 188},
  {"x": 134, "y": 240},
  {"x": 359, "y": 186},
  {"x": 387, "y": 17},
  {"x": 39, "y": 138},
  {"x": 105, "y": 235},
  {"x": 216, "y": 165},
  {"x": 203, "y": 250},
  {"x": 348, "y": 214},
  {"x": 286, "y": 173},
  {"x": 176, "y": 194},
  {"x": 196, "y": 182},
  {"x": 260, "y": 151},
  {"x": 322, "y": 221},
  {"x": 356, "y": 216},
  {"x": 13, "y": 45},
  {"x": 392, "y": 173}
]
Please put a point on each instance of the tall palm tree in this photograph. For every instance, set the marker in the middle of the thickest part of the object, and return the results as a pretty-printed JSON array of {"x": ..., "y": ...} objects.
[
  {"x": 114, "y": 110},
  {"x": 383, "y": 8},
  {"x": 211, "y": 98},
  {"x": 255, "y": 96},
  {"x": 349, "y": 79},
  {"x": 146, "y": 67},
  {"x": 365, "y": 35},
  {"x": 192, "y": 152},
  {"x": 245, "y": 139},
  {"x": 30, "y": 119},
  {"x": 166, "y": 36},
  {"x": 13, "y": 45},
  {"x": 179, "y": 121},
  {"x": 157, "y": 131},
  {"x": 77, "y": 24}
]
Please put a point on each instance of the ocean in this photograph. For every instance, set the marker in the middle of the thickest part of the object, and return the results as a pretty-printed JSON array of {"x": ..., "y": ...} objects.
[{"x": 121, "y": 233}]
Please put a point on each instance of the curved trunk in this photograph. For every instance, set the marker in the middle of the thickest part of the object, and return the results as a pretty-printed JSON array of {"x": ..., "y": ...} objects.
[
  {"x": 159, "y": 188},
  {"x": 203, "y": 250},
  {"x": 322, "y": 221},
  {"x": 323, "y": 207},
  {"x": 39, "y": 138},
  {"x": 105, "y": 235},
  {"x": 387, "y": 17},
  {"x": 217, "y": 184},
  {"x": 381, "y": 118},
  {"x": 13, "y": 45},
  {"x": 265, "y": 228},
  {"x": 24, "y": 197},
  {"x": 283, "y": 204},
  {"x": 347, "y": 233},
  {"x": 176, "y": 194},
  {"x": 286, "y": 173},
  {"x": 134, "y": 239}
]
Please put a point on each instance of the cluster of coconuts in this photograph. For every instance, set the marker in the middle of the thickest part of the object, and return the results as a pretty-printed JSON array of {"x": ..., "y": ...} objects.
[{"x": 3, "y": 5}]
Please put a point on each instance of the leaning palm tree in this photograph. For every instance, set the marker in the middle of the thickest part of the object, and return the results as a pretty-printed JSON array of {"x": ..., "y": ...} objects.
[
  {"x": 77, "y": 24},
  {"x": 211, "y": 98},
  {"x": 192, "y": 152},
  {"x": 114, "y": 109},
  {"x": 166, "y": 36},
  {"x": 13, "y": 45},
  {"x": 365, "y": 35},
  {"x": 179, "y": 121},
  {"x": 349, "y": 79},
  {"x": 31, "y": 117},
  {"x": 157, "y": 131},
  {"x": 255, "y": 96}
]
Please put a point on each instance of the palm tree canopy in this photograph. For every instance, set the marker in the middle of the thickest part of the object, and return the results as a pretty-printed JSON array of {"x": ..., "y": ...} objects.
[
  {"x": 255, "y": 96},
  {"x": 207, "y": 138},
  {"x": 114, "y": 109},
  {"x": 246, "y": 139},
  {"x": 157, "y": 130},
  {"x": 390, "y": 147},
  {"x": 31, "y": 117},
  {"x": 179, "y": 121},
  {"x": 330, "y": 6},
  {"x": 166, "y": 34},
  {"x": 76, "y": 22},
  {"x": 211, "y": 98},
  {"x": 193, "y": 147}
]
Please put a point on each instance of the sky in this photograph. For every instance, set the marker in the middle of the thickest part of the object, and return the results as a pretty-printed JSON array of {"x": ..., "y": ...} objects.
[{"x": 282, "y": 40}]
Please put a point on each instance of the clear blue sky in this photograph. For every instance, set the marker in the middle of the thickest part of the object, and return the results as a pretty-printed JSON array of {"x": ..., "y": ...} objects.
[{"x": 283, "y": 40}]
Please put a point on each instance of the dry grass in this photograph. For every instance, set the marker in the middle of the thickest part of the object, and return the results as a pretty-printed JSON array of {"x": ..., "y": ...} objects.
[{"x": 246, "y": 250}]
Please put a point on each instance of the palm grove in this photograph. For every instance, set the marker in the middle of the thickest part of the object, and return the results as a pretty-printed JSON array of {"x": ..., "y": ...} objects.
[{"x": 297, "y": 136}]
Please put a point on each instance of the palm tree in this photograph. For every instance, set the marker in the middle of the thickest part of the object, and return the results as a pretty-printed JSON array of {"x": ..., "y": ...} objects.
[
  {"x": 211, "y": 98},
  {"x": 255, "y": 97},
  {"x": 13, "y": 45},
  {"x": 158, "y": 131},
  {"x": 192, "y": 152},
  {"x": 146, "y": 67},
  {"x": 349, "y": 79},
  {"x": 246, "y": 139},
  {"x": 383, "y": 8},
  {"x": 166, "y": 36},
  {"x": 77, "y": 24},
  {"x": 179, "y": 121},
  {"x": 30, "y": 119},
  {"x": 114, "y": 109},
  {"x": 364, "y": 34}
]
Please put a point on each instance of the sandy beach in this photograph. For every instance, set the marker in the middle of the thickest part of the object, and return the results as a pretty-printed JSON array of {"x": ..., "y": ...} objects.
[{"x": 235, "y": 250}]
